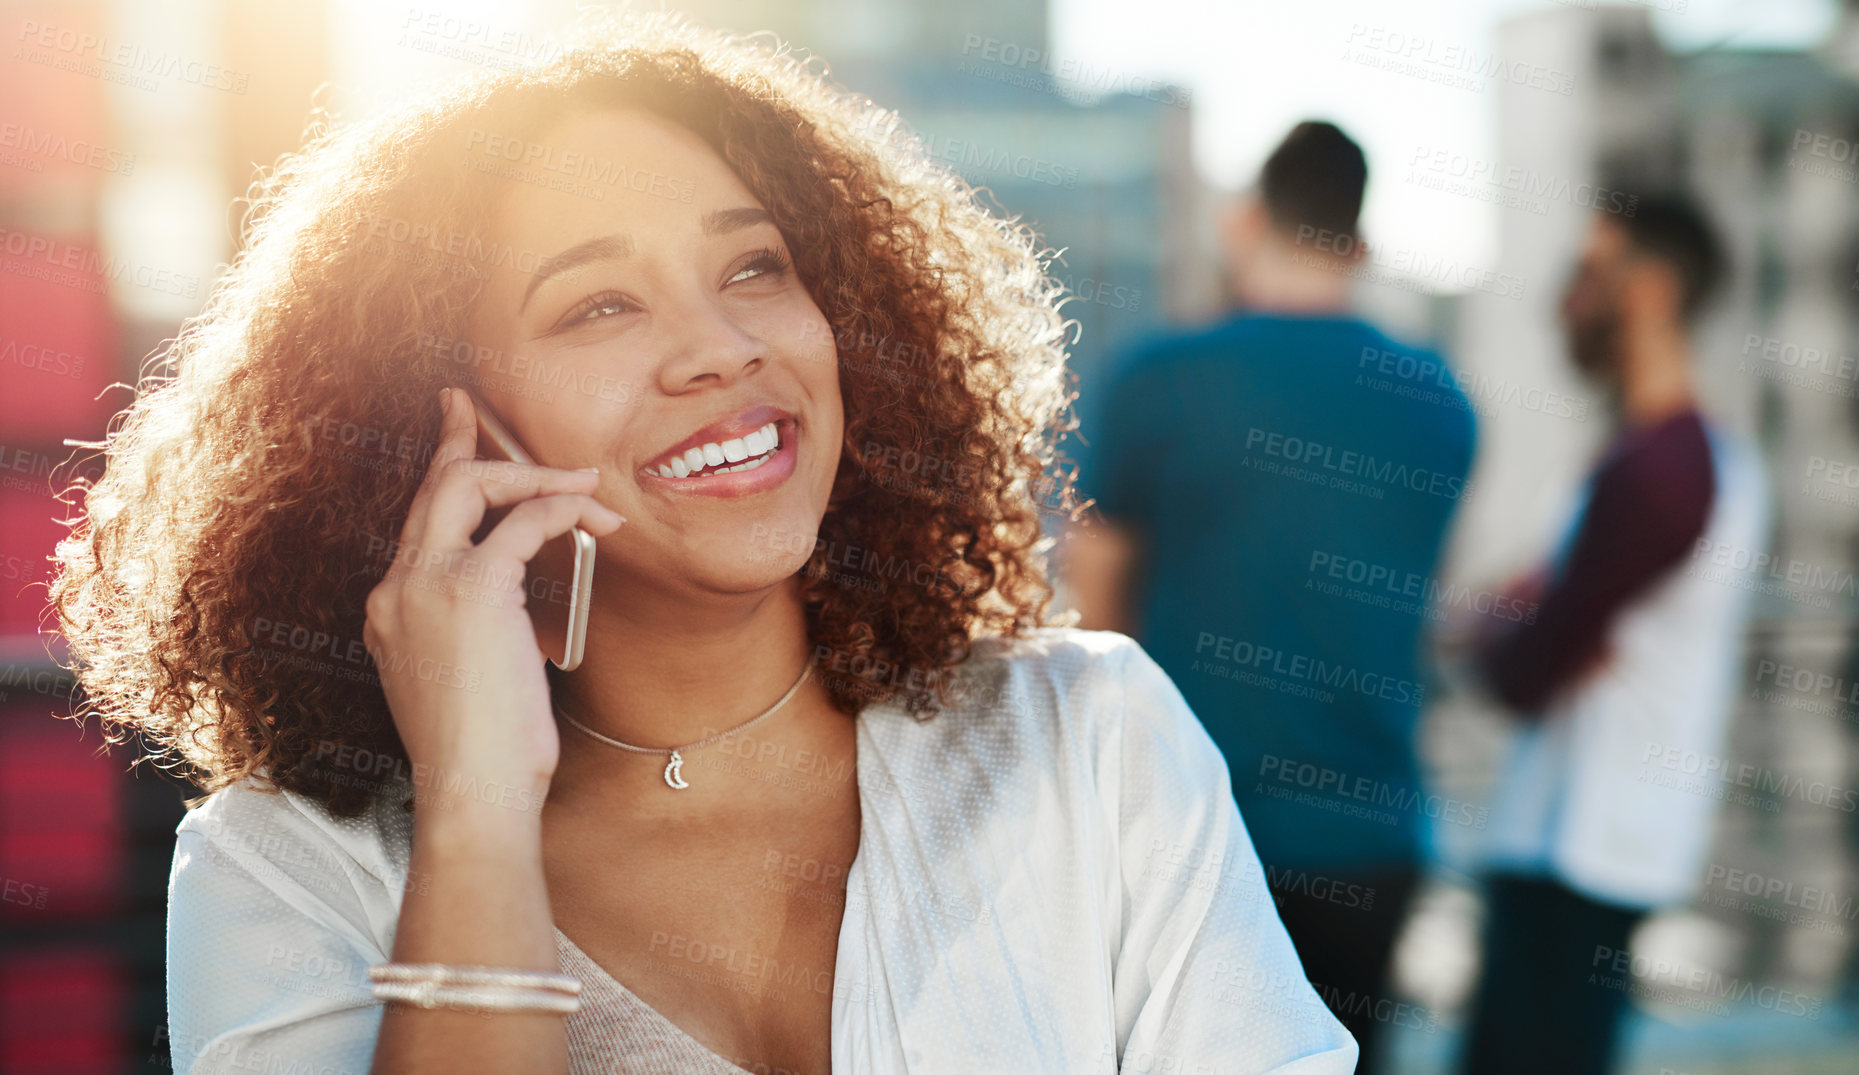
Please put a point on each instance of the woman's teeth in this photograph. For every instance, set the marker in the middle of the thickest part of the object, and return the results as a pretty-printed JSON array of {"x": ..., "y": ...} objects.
[{"x": 742, "y": 453}]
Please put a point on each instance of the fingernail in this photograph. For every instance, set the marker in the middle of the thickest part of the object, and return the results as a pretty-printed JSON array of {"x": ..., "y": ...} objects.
[
  {"x": 445, "y": 399},
  {"x": 588, "y": 470}
]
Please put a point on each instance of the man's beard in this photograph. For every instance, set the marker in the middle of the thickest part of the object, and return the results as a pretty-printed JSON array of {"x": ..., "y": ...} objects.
[{"x": 1594, "y": 345}]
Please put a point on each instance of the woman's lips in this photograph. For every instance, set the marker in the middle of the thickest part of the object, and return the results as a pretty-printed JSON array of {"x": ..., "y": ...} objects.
[
  {"x": 769, "y": 475},
  {"x": 723, "y": 431}
]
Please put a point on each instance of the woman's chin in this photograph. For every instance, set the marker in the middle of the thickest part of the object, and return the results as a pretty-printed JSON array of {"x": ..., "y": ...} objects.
[
  {"x": 751, "y": 562},
  {"x": 744, "y": 576}
]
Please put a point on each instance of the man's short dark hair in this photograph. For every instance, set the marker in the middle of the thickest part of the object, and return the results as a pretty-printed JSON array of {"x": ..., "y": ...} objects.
[
  {"x": 1315, "y": 178},
  {"x": 1672, "y": 227}
]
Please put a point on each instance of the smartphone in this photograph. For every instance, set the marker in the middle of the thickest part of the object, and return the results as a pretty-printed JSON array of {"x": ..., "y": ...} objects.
[{"x": 560, "y": 580}]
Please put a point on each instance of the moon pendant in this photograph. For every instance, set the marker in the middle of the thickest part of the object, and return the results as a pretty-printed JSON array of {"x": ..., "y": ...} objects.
[{"x": 674, "y": 771}]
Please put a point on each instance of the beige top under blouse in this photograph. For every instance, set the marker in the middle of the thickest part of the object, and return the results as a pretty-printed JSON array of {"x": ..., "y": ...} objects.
[{"x": 615, "y": 1031}]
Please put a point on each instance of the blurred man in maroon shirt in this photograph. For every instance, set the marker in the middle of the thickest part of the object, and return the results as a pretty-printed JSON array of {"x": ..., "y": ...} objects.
[{"x": 1630, "y": 660}]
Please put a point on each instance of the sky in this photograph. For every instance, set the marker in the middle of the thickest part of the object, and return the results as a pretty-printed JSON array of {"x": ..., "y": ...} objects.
[{"x": 1255, "y": 67}]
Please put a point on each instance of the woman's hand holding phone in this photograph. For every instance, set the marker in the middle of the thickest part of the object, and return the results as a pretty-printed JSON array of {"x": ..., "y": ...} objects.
[
  {"x": 459, "y": 662},
  {"x": 454, "y": 645}
]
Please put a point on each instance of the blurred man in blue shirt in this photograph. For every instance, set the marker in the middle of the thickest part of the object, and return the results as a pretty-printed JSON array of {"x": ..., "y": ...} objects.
[{"x": 1275, "y": 492}]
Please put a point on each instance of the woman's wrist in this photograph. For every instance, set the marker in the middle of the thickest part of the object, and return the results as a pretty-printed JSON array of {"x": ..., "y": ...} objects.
[
  {"x": 476, "y": 893},
  {"x": 456, "y": 788},
  {"x": 468, "y": 826}
]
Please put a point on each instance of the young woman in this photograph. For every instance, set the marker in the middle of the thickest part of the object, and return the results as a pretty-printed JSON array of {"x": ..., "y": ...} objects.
[{"x": 909, "y": 825}]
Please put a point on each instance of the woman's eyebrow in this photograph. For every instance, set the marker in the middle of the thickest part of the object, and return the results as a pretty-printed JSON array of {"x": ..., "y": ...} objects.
[
  {"x": 724, "y": 221},
  {"x": 617, "y": 246}
]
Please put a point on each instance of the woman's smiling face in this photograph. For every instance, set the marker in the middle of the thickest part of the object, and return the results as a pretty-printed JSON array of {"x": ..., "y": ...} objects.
[{"x": 656, "y": 318}]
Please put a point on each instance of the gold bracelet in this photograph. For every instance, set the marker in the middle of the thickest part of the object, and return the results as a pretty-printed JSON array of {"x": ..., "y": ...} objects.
[
  {"x": 446, "y": 974},
  {"x": 429, "y": 994}
]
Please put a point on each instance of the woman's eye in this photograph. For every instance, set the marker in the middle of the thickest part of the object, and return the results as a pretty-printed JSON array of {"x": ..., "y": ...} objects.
[
  {"x": 766, "y": 263},
  {"x": 594, "y": 308}
]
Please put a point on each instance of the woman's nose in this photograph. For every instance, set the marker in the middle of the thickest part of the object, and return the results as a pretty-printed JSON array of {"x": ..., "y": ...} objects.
[{"x": 708, "y": 347}]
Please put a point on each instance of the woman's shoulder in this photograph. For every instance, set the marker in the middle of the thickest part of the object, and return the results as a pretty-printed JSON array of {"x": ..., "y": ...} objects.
[
  {"x": 273, "y": 832},
  {"x": 1076, "y": 673},
  {"x": 1044, "y": 644},
  {"x": 1093, "y": 696},
  {"x": 1044, "y": 678},
  {"x": 1050, "y": 698},
  {"x": 1068, "y": 657}
]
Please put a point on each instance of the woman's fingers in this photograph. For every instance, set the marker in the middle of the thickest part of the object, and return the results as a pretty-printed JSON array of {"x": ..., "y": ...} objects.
[
  {"x": 533, "y": 522},
  {"x": 436, "y": 557},
  {"x": 460, "y": 487},
  {"x": 458, "y": 440},
  {"x": 471, "y": 487}
]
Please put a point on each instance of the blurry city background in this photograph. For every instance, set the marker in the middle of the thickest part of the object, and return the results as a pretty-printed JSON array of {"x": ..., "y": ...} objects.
[{"x": 1115, "y": 128}]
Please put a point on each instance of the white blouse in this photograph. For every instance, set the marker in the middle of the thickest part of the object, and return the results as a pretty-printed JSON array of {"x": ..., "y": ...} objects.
[{"x": 1052, "y": 876}]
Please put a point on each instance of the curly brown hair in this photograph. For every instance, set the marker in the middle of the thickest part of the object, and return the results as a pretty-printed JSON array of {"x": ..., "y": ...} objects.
[{"x": 221, "y": 525}]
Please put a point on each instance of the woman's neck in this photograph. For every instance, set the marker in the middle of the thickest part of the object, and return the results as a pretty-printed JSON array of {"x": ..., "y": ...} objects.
[{"x": 664, "y": 671}]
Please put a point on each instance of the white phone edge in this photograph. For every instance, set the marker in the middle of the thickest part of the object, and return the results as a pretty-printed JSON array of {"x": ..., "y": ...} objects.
[{"x": 575, "y": 646}]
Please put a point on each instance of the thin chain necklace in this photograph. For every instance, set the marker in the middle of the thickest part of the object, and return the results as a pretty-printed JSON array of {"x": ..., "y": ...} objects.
[{"x": 674, "y": 767}]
